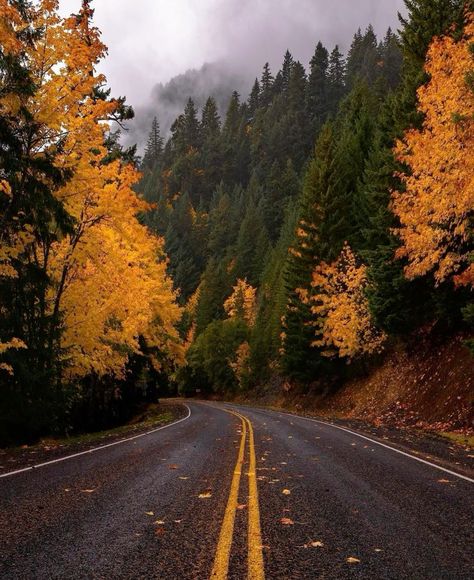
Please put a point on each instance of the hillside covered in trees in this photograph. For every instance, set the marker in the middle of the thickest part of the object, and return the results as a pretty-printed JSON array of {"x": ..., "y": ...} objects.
[
  {"x": 324, "y": 220},
  {"x": 328, "y": 216}
]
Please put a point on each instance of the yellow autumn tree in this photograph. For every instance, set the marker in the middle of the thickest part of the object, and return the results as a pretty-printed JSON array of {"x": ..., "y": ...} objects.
[
  {"x": 344, "y": 325},
  {"x": 436, "y": 209},
  {"x": 242, "y": 302},
  {"x": 108, "y": 283}
]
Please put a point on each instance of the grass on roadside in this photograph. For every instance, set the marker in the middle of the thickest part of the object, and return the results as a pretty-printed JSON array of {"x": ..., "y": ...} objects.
[
  {"x": 459, "y": 438},
  {"x": 154, "y": 416}
]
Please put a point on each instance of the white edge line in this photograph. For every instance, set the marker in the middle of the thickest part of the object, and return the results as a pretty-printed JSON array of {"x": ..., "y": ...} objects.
[
  {"x": 465, "y": 477},
  {"x": 94, "y": 449}
]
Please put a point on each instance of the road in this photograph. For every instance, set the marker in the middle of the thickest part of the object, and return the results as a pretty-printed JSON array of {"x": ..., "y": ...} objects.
[{"x": 238, "y": 492}]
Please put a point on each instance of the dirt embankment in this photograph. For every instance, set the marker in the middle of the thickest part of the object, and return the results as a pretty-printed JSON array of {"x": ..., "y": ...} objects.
[{"x": 424, "y": 386}]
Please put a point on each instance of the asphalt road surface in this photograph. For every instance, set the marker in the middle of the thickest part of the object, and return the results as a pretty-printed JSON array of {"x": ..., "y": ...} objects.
[{"x": 240, "y": 493}]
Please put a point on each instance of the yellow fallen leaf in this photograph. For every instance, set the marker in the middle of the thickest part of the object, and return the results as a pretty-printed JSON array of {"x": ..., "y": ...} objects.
[
  {"x": 315, "y": 544},
  {"x": 149, "y": 513},
  {"x": 352, "y": 560},
  {"x": 443, "y": 481},
  {"x": 182, "y": 477},
  {"x": 159, "y": 522},
  {"x": 205, "y": 495},
  {"x": 287, "y": 521},
  {"x": 87, "y": 490},
  {"x": 286, "y": 492}
]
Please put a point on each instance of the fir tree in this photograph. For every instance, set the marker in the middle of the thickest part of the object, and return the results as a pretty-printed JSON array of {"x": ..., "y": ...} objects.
[
  {"x": 317, "y": 104},
  {"x": 154, "y": 146}
]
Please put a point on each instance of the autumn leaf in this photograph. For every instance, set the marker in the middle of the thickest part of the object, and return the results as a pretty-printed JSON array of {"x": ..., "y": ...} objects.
[
  {"x": 205, "y": 495},
  {"x": 286, "y": 492},
  {"x": 352, "y": 560},
  {"x": 287, "y": 521},
  {"x": 149, "y": 513},
  {"x": 314, "y": 544}
]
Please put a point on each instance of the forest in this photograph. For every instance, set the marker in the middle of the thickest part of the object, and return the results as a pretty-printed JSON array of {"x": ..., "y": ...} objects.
[{"x": 300, "y": 235}]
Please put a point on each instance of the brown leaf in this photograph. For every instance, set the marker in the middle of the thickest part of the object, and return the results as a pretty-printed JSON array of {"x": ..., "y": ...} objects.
[
  {"x": 287, "y": 521},
  {"x": 205, "y": 495},
  {"x": 286, "y": 492},
  {"x": 352, "y": 560}
]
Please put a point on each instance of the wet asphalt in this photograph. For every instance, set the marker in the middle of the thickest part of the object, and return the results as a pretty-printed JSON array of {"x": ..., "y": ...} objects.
[{"x": 332, "y": 506}]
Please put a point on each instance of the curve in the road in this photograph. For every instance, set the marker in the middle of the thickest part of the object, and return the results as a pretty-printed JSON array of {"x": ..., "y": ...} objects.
[{"x": 94, "y": 449}]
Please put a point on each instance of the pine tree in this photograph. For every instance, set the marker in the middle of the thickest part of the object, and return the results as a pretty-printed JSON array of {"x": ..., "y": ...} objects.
[
  {"x": 286, "y": 69},
  {"x": 336, "y": 76},
  {"x": 266, "y": 86},
  {"x": 253, "y": 102},
  {"x": 317, "y": 105},
  {"x": 154, "y": 146}
]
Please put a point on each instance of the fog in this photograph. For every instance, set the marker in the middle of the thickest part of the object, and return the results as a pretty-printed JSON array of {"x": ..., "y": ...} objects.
[{"x": 152, "y": 41}]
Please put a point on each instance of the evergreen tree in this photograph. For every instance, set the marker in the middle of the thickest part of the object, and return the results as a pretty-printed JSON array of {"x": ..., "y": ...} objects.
[
  {"x": 317, "y": 104},
  {"x": 254, "y": 100},
  {"x": 336, "y": 76},
  {"x": 154, "y": 147},
  {"x": 266, "y": 86}
]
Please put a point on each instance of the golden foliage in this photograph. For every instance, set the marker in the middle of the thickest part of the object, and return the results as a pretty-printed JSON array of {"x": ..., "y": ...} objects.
[
  {"x": 240, "y": 364},
  {"x": 344, "y": 325},
  {"x": 242, "y": 302},
  {"x": 437, "y": 207},
  {"x": 109, "y": 281}
]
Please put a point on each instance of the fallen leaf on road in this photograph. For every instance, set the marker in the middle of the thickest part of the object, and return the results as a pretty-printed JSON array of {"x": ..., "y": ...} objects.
[
  {"x": 149, "y": 514},
  {"x": 444, "y": 481},
  {"x": 183, "y": 477},
  {"x": 286, "y": 492},
  {"x": 205, "y": 495},
  {"x": 287, "y": 521},
  {"x": 159, "y": 522},
  {"x": 352, "y": 560},
  {"x": 177, "y": 521},
  {"x": 159, "y": 531},
  {"x": 241, "y": 506},
  {"x": 315, "y": 544},
  {"x": 378, "y": 550},
  {"x": 67, "y": 489},
  {"x": 87, "y": 490},
  {"x": 172, "y": 466}
]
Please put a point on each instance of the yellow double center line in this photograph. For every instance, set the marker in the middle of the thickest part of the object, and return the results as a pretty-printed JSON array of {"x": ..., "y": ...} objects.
[{"x": 255, "y": 557}]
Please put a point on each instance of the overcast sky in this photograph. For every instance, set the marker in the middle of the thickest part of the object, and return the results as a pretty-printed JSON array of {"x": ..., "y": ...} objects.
[{"x": 150, "y": 41}]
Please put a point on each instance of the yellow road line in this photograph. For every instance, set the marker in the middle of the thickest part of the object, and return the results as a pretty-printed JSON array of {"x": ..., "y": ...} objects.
[
  {"x": 221, "y": 561},
  {"x": 255, "y": 565},
  {"x": 256, "y": 570}
]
